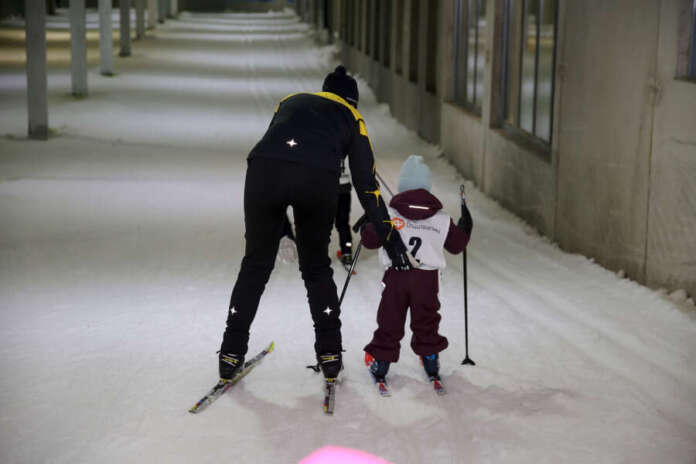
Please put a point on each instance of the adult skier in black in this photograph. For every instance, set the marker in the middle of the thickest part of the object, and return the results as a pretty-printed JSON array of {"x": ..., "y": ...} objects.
[{"x": 297, "y": 163}]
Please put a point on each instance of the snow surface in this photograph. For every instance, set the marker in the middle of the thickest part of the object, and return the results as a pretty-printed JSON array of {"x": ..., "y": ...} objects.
[{"x": 122, "y": 235}]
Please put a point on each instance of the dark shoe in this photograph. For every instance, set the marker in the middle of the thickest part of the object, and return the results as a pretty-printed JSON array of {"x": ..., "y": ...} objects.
[
  {"x": 330, "y": 363},
  {"x": 230, "y": 364},
  {"x": 346, "y": 259},
  {"x": 378, "y": 368},
  {"x": 431, "y": 364}
]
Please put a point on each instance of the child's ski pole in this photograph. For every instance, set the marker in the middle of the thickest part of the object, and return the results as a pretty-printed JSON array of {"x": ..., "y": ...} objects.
[{"x": 467, "y": 360}]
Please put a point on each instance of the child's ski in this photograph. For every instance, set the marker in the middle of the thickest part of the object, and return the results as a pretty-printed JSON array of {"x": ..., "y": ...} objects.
[
  {"x": 382, "y": 387},
  {"x": 438, "y": 386}
]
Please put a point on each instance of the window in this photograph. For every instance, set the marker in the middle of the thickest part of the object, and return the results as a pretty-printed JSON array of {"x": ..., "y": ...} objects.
[
  {"x": 328, "y": 9},
  {"x": 431, "y": 68},
  {"x": 386, "y": 31},
  {"x": 469, "y": 52},
  {"x": 399, "y": 52},
  {"x": 369, "y": 19},
  {"x": 413, "y": 42},
  {"x": 528, "y": 70},
  {"x": 350, "y": 26},
  {"x": 692, "y": 56},
  {"x": 342, "y": 23},
  {"x": 347, "y": 23},
  {"x": 376, "y": 36},
  {"x": 686, "y": 63},
  {"x": 360, "y": 20}
]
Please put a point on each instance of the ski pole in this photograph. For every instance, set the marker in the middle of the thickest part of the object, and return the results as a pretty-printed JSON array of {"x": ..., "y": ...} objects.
[
  {"x": 467, "y": 360},
  {"x": 357, "y": 228},
  {"x": 381, "y": 181},
  {"x": 350, "y": 273}
]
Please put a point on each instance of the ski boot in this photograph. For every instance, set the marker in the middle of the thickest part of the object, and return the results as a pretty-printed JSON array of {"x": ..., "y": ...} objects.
[
  {"x": 345, "y": 255},
  {"x": 378, "y": 369},
  {"x": 331, "y": 364},
  {"x": 346, "y": 260},
  {"x": 431, "y": 364},
  {"x": 230, "y": 365}
]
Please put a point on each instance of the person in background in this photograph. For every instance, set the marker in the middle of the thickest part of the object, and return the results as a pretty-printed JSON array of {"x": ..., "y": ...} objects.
[{"x": 345, "y": 238}]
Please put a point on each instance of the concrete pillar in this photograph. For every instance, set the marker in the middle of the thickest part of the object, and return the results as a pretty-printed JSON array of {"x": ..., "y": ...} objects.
[
  {"x": 173, "y": 8},
  {"x": 36, "y": 69},
  {"x": 151, "y": 13},
  {"x": 125, "y": 38},
  {"x": 106, "y": 42},
  {"x": 139, "y": 19},
  {"x": 78, "y": 47}
]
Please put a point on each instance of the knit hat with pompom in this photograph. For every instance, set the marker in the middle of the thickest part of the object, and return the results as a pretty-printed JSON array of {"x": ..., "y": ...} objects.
[{"x": 340, "y": 83}]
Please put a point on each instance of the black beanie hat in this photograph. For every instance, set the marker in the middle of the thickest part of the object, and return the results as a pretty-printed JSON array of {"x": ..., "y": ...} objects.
[{"x": 340, "y": 83}]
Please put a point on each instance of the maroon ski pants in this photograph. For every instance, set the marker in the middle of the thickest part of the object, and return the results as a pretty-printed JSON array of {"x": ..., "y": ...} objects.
[{"x": 416, "y": 289}]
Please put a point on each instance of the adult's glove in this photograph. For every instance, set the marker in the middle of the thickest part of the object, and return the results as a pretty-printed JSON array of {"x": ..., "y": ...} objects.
[{"x": 400, "y": 257}]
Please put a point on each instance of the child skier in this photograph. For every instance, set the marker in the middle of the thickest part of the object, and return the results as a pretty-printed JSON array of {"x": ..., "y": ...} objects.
[{"x": 425, "y": 229}]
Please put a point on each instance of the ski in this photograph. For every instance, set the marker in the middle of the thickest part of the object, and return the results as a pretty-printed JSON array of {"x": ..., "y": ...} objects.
[
  {"x": 225, "y": 384},
  {"x": 329, "y": 396},
  {"x": 438, "y": 386},
  {"x": 382, "y": 387}
]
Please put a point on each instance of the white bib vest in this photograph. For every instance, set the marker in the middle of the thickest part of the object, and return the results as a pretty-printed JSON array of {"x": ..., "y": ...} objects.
[{"x": 424, "y": 238}]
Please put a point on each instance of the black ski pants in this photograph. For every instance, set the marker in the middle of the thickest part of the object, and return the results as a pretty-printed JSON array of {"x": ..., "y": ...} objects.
[{"x": 270, "y": 187}]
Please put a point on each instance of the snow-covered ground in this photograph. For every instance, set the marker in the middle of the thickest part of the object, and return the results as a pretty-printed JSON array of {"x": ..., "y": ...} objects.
[{"x": 122, "y": 235}]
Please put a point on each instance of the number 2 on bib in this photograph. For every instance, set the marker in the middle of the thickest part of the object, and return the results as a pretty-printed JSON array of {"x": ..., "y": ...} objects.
[{"x": 415, "y": 242}]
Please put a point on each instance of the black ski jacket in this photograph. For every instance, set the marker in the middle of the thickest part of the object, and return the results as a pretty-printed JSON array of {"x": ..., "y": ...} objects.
[{"x": 320, "y": 130}]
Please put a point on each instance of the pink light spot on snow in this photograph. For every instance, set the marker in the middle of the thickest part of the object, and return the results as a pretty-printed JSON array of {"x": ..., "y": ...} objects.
[{"x": 338, "y": 455}]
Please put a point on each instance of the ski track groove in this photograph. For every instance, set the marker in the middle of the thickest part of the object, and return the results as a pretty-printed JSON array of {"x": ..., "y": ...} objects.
[
  {"x": 605, "y": 327},
  {"x": 555, "y": 327}
]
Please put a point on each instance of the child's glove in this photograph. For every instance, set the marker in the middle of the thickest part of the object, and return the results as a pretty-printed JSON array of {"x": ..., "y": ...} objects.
[
  {"x": 465, "y": 222},
  {"x": 399, "y": 255}
]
